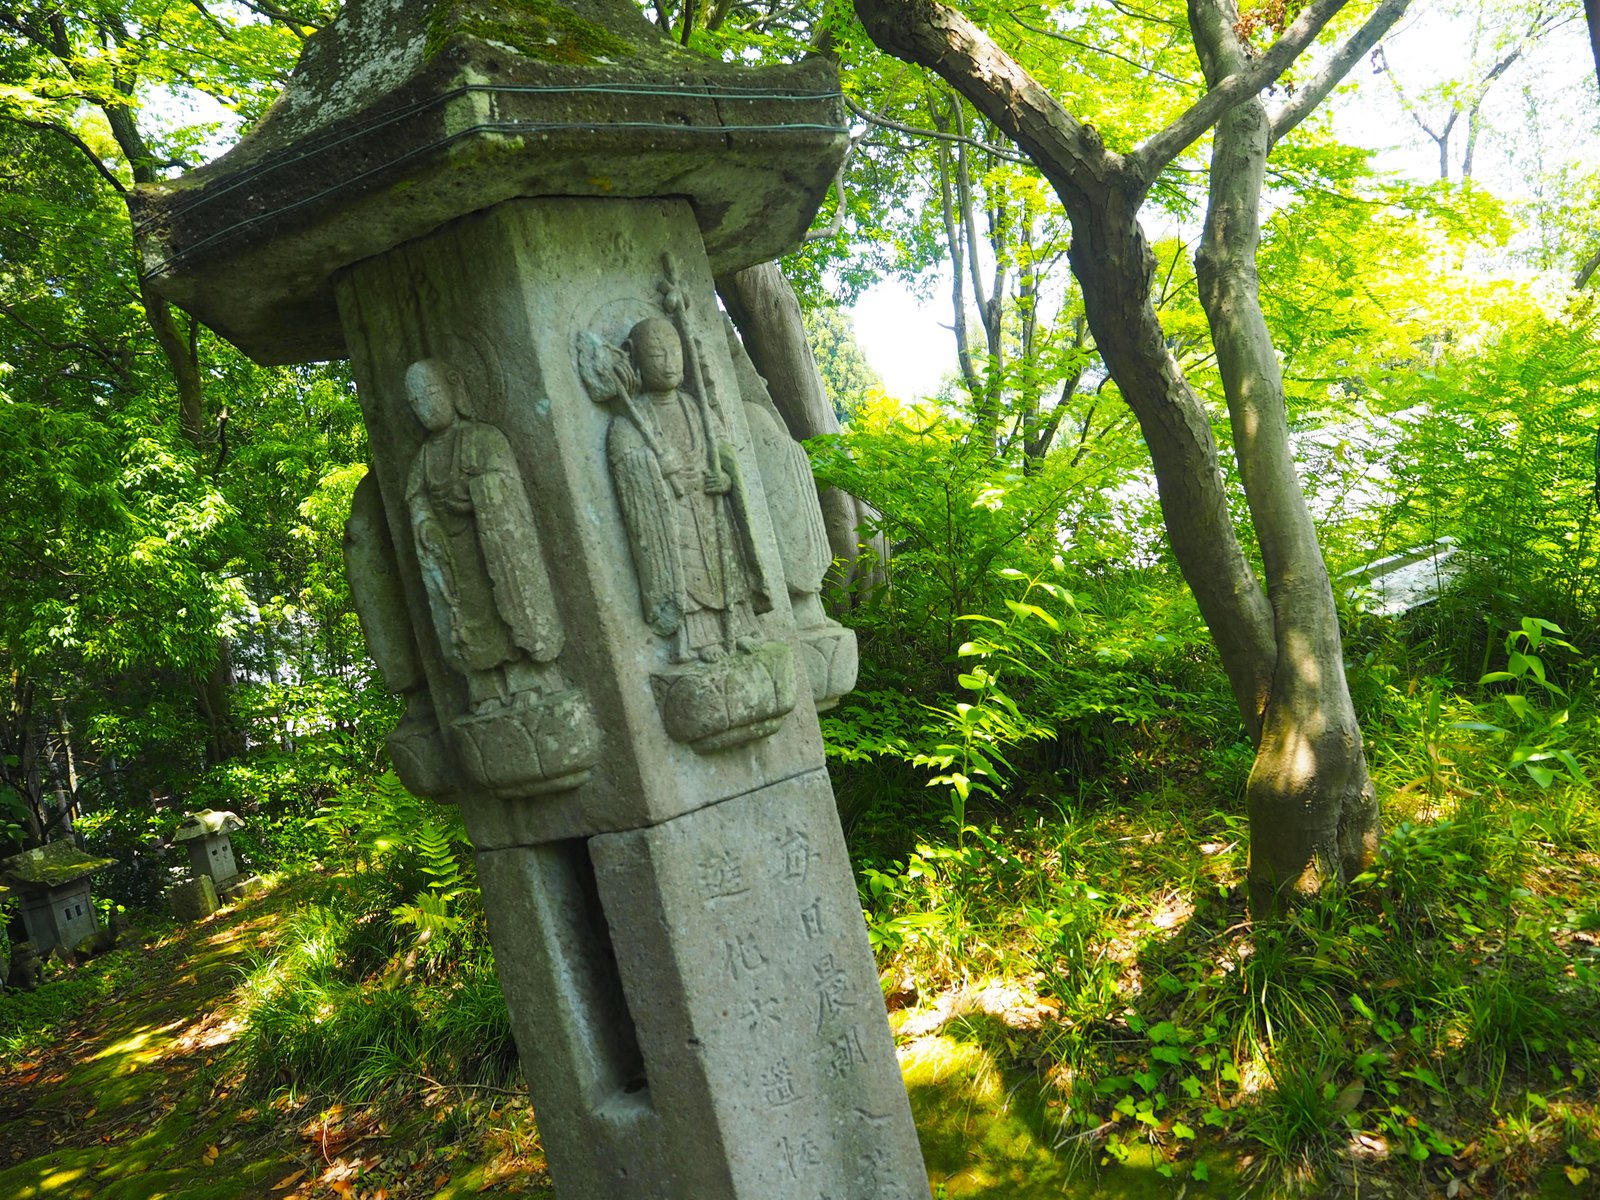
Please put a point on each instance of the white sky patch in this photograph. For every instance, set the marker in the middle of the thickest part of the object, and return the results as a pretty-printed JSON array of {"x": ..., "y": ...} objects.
[{"x": 904, "y": 339}]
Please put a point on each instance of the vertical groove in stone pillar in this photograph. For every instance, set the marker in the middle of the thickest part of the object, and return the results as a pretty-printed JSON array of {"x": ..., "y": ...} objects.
[{"x": 575, "y": 1035}]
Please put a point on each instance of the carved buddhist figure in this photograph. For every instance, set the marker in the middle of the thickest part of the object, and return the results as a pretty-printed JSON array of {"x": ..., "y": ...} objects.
[
  {"x": 524, "y": 730},
  {"x": 488, "y": 590},
  {"x": 685, "y": 507}
]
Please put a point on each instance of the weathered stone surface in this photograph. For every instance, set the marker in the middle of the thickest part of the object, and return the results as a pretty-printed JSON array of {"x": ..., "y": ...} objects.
[
  {"x": 586, "y": 339},
  {"x": 52, "y": 865},
  {"x": 193, "y": 900},
  {"x": 52, "y": 888},
  {"x": 22, "y": 972},
  {"x": 417, "y": 746},
  {"x": 405, "y": 114},
  {"x": 593, "y": 580},
  {"x": 208, "y": 822},
  {"x": 544, "y": 273},
  {"x": 205, "y": 835},
  {"x": 710, "y": 979},
  {"x": 744, "y": 957},
  {"x": 826, "y": 648}
]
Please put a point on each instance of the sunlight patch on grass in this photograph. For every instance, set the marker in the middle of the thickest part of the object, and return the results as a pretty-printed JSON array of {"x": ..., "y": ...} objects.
[{"x": 136, "y": 1050}]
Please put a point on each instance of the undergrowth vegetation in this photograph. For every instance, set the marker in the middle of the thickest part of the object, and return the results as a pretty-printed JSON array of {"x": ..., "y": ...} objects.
[
  {"x": 1041, "y": 775},
  {"x": 384, "y": 979},
  {"x": 1044, "y": 788}
]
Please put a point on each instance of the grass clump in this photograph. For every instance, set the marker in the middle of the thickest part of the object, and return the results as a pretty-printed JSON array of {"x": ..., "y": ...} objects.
[
  {"x": 33, "y": 1021},
  {"x": 385, "y": 979},
  {"x": 1433, "y": 1022}
]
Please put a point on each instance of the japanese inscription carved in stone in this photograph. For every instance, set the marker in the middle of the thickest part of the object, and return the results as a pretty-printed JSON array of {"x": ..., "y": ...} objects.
[{"x": 581, "y": 532}]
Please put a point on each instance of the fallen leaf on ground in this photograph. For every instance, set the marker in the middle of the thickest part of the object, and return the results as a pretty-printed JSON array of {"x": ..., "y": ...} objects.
[{"x": 288, "y": 1181}]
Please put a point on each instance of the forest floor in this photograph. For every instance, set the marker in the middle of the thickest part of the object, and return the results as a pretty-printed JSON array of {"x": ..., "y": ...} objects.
[
  {"x": 1081, "y": 1009},
  {"x": 135, "y": 1098}
]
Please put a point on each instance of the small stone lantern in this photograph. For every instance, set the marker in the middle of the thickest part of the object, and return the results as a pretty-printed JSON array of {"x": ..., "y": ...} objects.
[
  {"x": 52, "y": 883},
  {"x": 210, "y": 850}
]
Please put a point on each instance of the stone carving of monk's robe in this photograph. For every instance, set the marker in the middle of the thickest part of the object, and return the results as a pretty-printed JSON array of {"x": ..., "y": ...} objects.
[
  {"x": 488, "y": 589},
  {"x": 685, "y": 508}
]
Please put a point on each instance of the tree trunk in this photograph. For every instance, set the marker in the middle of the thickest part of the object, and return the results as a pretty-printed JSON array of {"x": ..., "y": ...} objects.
[
  {"x": 213, "y": 693},
  {"x": 1282, "y": 656},
  {"x": 766, "y": 313},
  {"x": 1313, "y": 811},
  {"x": 1591, "y": 16},
  {"x": 1114, "y": 266}
]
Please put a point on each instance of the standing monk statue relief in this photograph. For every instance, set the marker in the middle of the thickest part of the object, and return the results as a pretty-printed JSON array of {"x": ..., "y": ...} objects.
[
  {"x": 686, "y": 512},
  {"x": 488, "y": 590},
  {"x": 685, "y": 507}
]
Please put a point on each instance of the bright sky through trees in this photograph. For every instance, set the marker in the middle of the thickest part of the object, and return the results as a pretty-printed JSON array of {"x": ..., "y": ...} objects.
[{"x": 1539, "y": 131}]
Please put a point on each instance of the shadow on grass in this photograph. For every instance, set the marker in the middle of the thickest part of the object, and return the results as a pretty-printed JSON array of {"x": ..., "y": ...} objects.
[{"x": 123, "y": 1106}]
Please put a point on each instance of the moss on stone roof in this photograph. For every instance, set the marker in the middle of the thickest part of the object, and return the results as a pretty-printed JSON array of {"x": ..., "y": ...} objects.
[{"x": 55, "y": 864}]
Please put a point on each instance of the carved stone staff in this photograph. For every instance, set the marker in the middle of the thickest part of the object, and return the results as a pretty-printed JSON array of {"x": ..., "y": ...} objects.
[{"x": 677, "y": 306}]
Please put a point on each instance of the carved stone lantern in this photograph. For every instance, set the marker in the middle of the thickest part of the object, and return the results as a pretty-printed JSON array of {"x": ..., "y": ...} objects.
[
  {"x": 205, "y": 833},
  {"x": 52, "y": 883}
]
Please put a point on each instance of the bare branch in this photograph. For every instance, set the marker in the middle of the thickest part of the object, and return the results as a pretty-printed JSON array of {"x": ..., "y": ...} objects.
[
  {"x": 1137, "y": 14},
  {"x": 1312, "y": 93},
  {"x": 936, "y": 135},
  {"x": 56, "y": 347},
  {"x": 1148, "y": 159},
  {"x": 1072, "y": 41},
  {"x": 1586, "y": 271},
  {"x": 1068, "y": 152},
  {"x": 836, "y": 226},
  {"x": 94, "y": 159}
]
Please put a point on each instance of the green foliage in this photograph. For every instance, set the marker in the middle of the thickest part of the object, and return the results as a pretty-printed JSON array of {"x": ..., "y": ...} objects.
[
  {"x": 979, "y": 731},
  {"x": 388, "y": 979},
  {"x": 319, "y": 1020},
  {"x": 1427, "y": 1003},
  {"x": 1539, "y": 729},
  {"x": 32, "y": 1022},
  {"x": 846, "y": 375},
  {"x": 1494, "y": 447}
]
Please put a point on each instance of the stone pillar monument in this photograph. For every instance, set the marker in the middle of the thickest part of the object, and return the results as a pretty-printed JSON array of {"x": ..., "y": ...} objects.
[{"x": 585, "y": 555}]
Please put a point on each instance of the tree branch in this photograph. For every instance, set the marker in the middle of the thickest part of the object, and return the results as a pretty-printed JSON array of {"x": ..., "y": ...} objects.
[
  {"x": 1591, "y": 13},
  {"x": 1587, "y": 270},
  {"x": 1147, "y": 160},
  {"x": 94, "y": 159},
  {"x": 1072, "y": 41},
  {"x": 1311, "y": 94},
  {"x": 89, "y": 347},
  {"x": 938, "y": 135},
  {"x": 1068, "y": 152}
]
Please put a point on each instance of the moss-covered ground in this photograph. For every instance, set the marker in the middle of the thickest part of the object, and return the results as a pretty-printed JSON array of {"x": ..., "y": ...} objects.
[{"x": 135, "y": 1098}]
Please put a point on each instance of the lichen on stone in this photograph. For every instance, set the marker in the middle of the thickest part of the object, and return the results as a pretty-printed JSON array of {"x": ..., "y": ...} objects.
[
  {"x": 545, "y": 30},
  {"x": 206, "y": 823}
]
